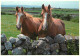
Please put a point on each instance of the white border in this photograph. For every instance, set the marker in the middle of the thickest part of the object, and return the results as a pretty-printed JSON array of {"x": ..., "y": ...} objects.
[{"x": 38, "y": 0}]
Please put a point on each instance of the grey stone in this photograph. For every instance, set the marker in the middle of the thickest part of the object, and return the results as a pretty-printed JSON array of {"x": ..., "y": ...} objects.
[
  {"x": 47, "y": 39},
  {"x": 3, "y": 38},
  {"x": 47, "y": 47},
  {"x": 2, "y": 47},
  {"x": 26, "y": 44},
  {"x": 39, "y": 43},
  {"x": 12, "y": 40},
  {"x": 77, "y": 37},
  {"x": 17, "y": 51},
  {"x": 34, "y": 44},
  {"x": 23, "y": 37},
  {"x": 4, "y": 52},
  {"x": 54, "y": 46},
  {"x": 62, "y": 53},
  {"x": 46, "y": 53},
  {"x": 18, "y": 42},
  {"x": 63, "y": 47},
  {"x": 68, "y": 37},
  {"x": 29, "y": 53},
  {"x": 8, "y": 45},
  {"x": 59, "y": 38},
  {"x": 42, "y": 38},
  {"x": 39, "y": 51},
  {"x": 54, "y": 53}
]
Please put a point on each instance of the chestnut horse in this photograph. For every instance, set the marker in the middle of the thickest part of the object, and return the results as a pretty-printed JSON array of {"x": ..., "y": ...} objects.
[
  {"x": 28, "y": 24},
  {"x": 50, "y": 26}
]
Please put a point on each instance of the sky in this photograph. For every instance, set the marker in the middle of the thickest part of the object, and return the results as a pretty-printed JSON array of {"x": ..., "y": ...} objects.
[{"x": 54, "y": 4}]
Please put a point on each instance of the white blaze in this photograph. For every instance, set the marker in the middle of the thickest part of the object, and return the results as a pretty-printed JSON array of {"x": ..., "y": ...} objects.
[
  {"x": 45, "y": 21},
  {"x": 19, "y": 15}
]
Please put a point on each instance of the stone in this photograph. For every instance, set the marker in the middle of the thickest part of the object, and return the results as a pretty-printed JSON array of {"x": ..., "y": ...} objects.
[
  {"x": 54, "y": 53},
  {"x": 59, "y": 39},
  {"x": 38, "y": 51},
  {"x": 39, "y": 43},
  {"x": 29, "y": 53},
  {"x": 47, "y": 47},
  {"x": 23, "y": 37},
  {"x": 3, "y": 38},
  {"x": 2, "y": 47},
  {"x": 17, "y": 51},
  {"x": 18, "y": 42},
  {"x": 34, "y": 44},
  {"x": 68, "y": 37},
  {"x": 77, "y": 37},
  {"x": 12, "y": 40},
  {"x": 44, "y": 38},
  {"x": 46, "y": 53},
  {"x": 54, "y": 46},
  {"x": 8, "y": 45},
  {"x": 4, "y": 52},
  {"x": 62, "y": 53},
  {"x": 63, "y": 47},
  {"x": 26, "y": 44},
  {"x": 47, "y": 39}
]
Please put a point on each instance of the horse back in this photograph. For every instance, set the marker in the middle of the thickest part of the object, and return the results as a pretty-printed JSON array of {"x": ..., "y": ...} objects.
[
  {"x": 60, "y": 26},
  {"x": 57, "y": 27}
]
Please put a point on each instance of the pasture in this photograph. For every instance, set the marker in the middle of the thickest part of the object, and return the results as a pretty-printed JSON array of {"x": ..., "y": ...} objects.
[
  {"x": 8, "y": 22},
  {"x": 8, "y": 26}
]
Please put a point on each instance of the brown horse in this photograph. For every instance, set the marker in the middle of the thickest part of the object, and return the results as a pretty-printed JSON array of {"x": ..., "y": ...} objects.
[
  {"x": 50, "y": 26},
  {"x": 27, "y": 23}
]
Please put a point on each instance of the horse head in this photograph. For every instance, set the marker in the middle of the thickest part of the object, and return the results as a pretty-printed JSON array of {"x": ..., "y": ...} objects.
[
  {"x": 19, "y": 17},
  {"x": 46, "y": 14}
]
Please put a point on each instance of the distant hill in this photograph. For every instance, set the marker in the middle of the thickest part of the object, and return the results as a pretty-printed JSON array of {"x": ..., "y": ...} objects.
[{"x": 28, "y": 6}]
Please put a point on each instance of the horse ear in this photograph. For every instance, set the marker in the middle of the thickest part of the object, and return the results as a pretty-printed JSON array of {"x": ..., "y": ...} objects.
[
  {"x": 49, "y": 6},
  {"x": 43, "y": 6},
  {"x": 22, "y": 9},
  {"x": 17, "y": 8}
]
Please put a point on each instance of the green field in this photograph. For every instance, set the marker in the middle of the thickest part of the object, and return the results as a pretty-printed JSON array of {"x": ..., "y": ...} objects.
[
  {"x": 8, "y": 26},
  {"x": 58, "y": 11}
]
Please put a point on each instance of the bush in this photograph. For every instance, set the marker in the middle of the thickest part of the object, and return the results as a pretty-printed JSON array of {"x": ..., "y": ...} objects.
[
  {"x": 3, "y": 13},
  {"x": 67, "y": 17},
  {"x": 76, "y": 19},
  {"x": 73, "y": 47},
  {"x": 6, "y": 13},
  {"x": 63, "y": 17}
]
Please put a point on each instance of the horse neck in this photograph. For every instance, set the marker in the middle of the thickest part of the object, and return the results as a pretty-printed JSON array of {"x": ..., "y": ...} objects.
[
  {"x": 50, "y": 20},
  {"x": 27, "y": 22}
]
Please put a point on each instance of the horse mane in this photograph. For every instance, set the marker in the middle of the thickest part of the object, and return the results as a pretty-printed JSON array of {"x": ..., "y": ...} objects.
[{"x": 28, "y": 15}]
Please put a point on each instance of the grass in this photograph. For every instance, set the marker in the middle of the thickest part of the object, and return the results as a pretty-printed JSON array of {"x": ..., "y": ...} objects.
[
  {"x": 58, "y": 11},
  {"x": 8, "y": 26}
]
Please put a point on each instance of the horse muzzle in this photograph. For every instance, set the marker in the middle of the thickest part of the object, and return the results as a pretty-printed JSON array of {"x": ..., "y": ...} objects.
[{"x": 18, "y": 27}]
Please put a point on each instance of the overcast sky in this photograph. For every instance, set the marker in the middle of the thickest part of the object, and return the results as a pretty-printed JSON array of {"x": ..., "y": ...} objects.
[{"x": 54, "y": 4}]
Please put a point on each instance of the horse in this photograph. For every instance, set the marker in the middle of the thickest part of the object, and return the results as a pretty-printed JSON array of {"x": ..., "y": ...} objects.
[
  {"x": 50, "y": 26},
  {"x": 27, "y": 23}
]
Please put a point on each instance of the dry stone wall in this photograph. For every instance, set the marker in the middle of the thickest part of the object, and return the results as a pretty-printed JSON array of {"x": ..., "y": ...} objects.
[{"x": 42, "y": 46}]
